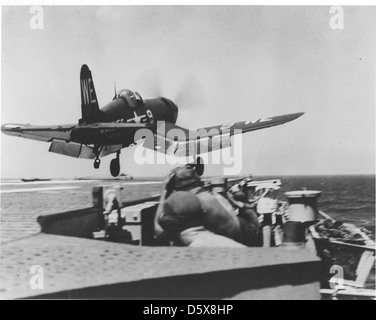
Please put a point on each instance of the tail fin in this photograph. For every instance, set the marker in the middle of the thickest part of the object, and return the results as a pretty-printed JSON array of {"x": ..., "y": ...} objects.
[{"x": 89, "y": 102}]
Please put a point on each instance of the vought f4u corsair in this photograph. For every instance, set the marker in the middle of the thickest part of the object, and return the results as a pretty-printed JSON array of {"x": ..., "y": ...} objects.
[{"x": 101, "y": 132}]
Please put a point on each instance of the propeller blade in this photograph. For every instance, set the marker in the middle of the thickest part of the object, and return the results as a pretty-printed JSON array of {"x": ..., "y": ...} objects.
[
  {"x": 192, "y": 94},
  {"x": 115, "y": 91},
  {"x": 150, "y": 84},
  {"x": 185, "y": 91}
]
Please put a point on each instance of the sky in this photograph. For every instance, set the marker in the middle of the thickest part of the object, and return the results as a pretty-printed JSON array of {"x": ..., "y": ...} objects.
[{"x": 223, "y": 63}]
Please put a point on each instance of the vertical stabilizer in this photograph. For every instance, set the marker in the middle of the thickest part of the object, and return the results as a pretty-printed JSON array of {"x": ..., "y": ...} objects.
[{"x": 89, "y": 102}]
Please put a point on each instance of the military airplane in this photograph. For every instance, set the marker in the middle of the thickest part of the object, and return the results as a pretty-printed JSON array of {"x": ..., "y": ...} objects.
[{"x": 101, "y": 132}]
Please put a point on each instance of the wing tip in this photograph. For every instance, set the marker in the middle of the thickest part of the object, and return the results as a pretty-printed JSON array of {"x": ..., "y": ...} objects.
[
  {"x": 7, "y": 127},
  {"x": 294, "y": 116}
]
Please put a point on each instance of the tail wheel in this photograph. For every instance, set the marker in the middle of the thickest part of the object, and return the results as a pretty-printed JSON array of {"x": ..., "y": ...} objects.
[
  {"x": 200, "y": 166},
  {"x": 97, "y": 163},
  {"x": 115, "y": 167}
]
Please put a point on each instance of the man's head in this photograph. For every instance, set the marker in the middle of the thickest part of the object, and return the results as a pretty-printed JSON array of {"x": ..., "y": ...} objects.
[{"x": 186, "y": 179}]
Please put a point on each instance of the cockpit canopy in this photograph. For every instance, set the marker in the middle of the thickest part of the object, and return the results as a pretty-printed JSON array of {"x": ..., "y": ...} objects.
[{"x": 132, "y": 98}]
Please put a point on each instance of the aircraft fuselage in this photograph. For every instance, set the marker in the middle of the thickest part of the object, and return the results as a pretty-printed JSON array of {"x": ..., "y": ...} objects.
[{"x": 126, "y": 107}]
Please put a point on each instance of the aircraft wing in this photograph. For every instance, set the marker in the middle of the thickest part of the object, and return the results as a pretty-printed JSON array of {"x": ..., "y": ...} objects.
[
  {"x": 74, "y": 140},
  {"x": 66, "y": 139},
  {"x": 225, "y": 129},
  {"x": 121, "y": 126},
  {"x": 41, "y": 133},
  {"x": 247, "y": 126},
  {"x": 174, "y": 140},
  {"x": 63, "y": 132}
]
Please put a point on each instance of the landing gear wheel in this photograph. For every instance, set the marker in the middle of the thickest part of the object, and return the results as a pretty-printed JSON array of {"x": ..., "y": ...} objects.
[
  {"x": 97, "y": 163},
  {"x": 200, "y": 167},
  {"x": 115, "y": 167}
]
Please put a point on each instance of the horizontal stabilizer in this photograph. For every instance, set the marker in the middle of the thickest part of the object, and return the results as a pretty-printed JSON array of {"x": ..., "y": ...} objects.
[
  {"x": 77, "y": 150},
  {"x": 70, "y": 149}
]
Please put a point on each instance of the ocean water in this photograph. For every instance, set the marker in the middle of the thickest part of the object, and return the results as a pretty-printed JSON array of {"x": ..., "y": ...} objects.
[{"x": 347, "y": 198}]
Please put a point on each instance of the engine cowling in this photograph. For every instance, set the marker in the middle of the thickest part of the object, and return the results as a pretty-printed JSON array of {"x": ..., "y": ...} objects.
[{"x": 128, "y": 106}]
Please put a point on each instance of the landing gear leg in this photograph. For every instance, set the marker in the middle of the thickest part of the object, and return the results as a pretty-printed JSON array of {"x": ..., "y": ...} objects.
[
  {"x": 115, "y": 165},
  {"x": 97, "y": 161}
]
